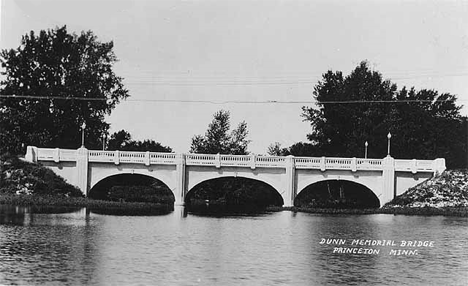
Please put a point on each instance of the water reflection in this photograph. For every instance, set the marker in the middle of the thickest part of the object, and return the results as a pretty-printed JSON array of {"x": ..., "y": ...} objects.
[
  {"x": 179, "y": 248},
  {"x": 45, "y": 248},
  {"x": 13, "y": 214}
]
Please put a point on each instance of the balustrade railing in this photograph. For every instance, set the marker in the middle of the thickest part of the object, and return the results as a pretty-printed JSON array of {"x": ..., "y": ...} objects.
[
  {"x": 57, "y": 155},
  {"x": 200, "y": 159},
  {"x": 414, "y": 165},
  {"x": 162, "y": 158},
  {"x": 252, "y": 161},
  {"x": 272, "y": 162}
]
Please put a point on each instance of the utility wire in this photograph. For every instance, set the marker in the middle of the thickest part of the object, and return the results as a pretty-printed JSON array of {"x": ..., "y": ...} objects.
[
  {"x": 214, "y": 81},
  {"x": 232, "y": 101},
  {"x": 51, "y": 97}
]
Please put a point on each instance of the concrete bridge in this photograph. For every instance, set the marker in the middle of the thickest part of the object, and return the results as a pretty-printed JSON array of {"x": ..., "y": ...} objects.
[{"x": 387, "y": 177}]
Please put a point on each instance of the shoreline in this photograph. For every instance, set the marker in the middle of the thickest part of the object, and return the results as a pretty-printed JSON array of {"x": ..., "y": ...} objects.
[
  {"x": 423, "y": 211},
  {"x": 50, "y": 204},
  {"x": 54, "y": 203}
]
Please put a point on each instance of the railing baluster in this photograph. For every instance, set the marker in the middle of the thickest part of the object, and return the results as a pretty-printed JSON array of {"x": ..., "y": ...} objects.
[{"x": 250, "y": 161}]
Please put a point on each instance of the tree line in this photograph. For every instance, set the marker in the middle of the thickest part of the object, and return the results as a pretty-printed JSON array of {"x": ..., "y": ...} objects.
[{"x": 55, "y": 81}]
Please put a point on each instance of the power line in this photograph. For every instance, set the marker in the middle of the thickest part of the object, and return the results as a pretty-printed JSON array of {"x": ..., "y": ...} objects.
[
  {"x": 233, "y": 101},
  {"x": 216, "y": 81},
  {"x": 51, "y": 97}
]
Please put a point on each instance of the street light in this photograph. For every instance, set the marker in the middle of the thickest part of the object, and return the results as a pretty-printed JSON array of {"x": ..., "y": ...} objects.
[
  {"x": 83, "y": 126},
  {"x": 365, "y": 149},
  {"x": 389, "y": 136},
  {"x": 103, "y": 141}
]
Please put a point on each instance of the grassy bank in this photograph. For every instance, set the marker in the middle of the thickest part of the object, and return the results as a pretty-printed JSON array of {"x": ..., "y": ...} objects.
[{"x": 443, "y": 194}]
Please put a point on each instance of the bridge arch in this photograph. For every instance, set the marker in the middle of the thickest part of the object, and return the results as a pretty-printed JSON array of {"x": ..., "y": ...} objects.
[
  {"x": 165, "y": 177},
  {"x": 129, "y": 179},
  {"x": 338, "y": 192},
  {"x": 260, "y": 186}
]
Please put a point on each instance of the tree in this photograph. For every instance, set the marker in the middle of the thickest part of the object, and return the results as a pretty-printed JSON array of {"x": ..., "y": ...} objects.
[
  {"x": 427, "y": 125},
  {"x": 300, "y": 149},
  {"x": 60, "y": 81},
  {"x": 218, "y": 140},
  {"x": 274, "y": 149},
  {"x": 363, "y": 107},
  {"x": 119, "y": 140},
  {"x": 350, "y": 112},
  {"x": 122, "y": 140}
]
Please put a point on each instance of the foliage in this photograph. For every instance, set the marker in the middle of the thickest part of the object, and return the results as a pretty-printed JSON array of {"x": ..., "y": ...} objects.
[
  {"x": 339, "y": 194},
  {"x": 20, "y": 177},
  {"x": 360, "y": 107},
  {"x": 430, "y": 128},
  {"x": 122, "y": 140},
  {"x": 60, "y": 204},
  {"x": 119, "y": 140},
  {"x": 63, "y": 68},
  {"x": 274, "y": 149},
  {"x": 449, "y": 189},
  {"x": 300, "y": 149},
  {"x": 236, "y": 191},
  {"x": 218, "y": 140},
  {"x": 141, "y": 193}
]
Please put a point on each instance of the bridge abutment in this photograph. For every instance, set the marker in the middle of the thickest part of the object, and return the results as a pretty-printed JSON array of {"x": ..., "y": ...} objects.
[{"x": 290, "y": 192}]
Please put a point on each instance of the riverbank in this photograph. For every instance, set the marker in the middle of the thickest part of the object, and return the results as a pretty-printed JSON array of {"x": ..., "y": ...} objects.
[
  {"x": 53, "y": 204},
  {"x": 443, "y": 194},
  {"x": 426, "y": 211},
  {"x": 32, "y": 185}
]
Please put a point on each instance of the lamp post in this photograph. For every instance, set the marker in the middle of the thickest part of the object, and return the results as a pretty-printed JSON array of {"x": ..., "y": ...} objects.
[
  {"x": 365, "y": 149},
  {"x": 103, "y": 141},
  {"x": 389, "y": 136},
  {"x": 83, "y": 126}
]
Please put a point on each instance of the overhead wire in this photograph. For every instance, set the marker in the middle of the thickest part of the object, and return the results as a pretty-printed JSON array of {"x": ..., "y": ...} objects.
[{"x": 230, "y": 101}]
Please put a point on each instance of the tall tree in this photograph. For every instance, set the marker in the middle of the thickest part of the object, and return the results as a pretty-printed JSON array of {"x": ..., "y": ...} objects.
[
  {"x": 217, "y": 138},
  {"x": 60, "y": 81},
  {"x": 363, "y": 107},
  {"x": 427, "y": 125},
  {"x": 350, "y": 111}
]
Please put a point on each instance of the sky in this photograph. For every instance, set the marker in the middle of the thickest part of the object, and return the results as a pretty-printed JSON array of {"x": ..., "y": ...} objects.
[{"x": 184, "y": 60}]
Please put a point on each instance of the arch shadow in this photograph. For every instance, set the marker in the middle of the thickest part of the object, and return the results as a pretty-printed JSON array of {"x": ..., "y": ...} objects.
[
  {"x": 232, "y": 193},
  {"x": 342, "y": 194},
  {"x": 132, "y": 188}
]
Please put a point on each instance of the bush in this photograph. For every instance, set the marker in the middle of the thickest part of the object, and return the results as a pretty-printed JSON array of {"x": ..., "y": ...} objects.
[
  {"x": 21, "y": 177},
  {"x": 139, "y": 194}
]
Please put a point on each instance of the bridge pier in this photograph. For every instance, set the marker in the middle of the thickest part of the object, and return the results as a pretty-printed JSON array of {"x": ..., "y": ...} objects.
[
  {"x": 290, "y": 192},
  {"x": 181, "y": 189},
  {"x": 82, "y": 161},
  {"x": 388, "y": 173}
]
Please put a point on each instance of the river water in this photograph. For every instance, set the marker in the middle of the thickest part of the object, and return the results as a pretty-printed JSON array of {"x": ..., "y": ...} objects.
[{"x": 283, "y": 248}]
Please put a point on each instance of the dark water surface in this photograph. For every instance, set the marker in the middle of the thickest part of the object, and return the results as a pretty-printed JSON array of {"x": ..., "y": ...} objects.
[{"x": 281, "y": 248}]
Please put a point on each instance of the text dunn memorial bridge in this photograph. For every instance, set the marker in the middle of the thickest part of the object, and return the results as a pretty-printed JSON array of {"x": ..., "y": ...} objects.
[{"x": 386, "y": 178}]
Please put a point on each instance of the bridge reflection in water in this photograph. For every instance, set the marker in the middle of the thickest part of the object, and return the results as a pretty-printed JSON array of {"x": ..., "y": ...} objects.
[{"x": 289, "y": 176}]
